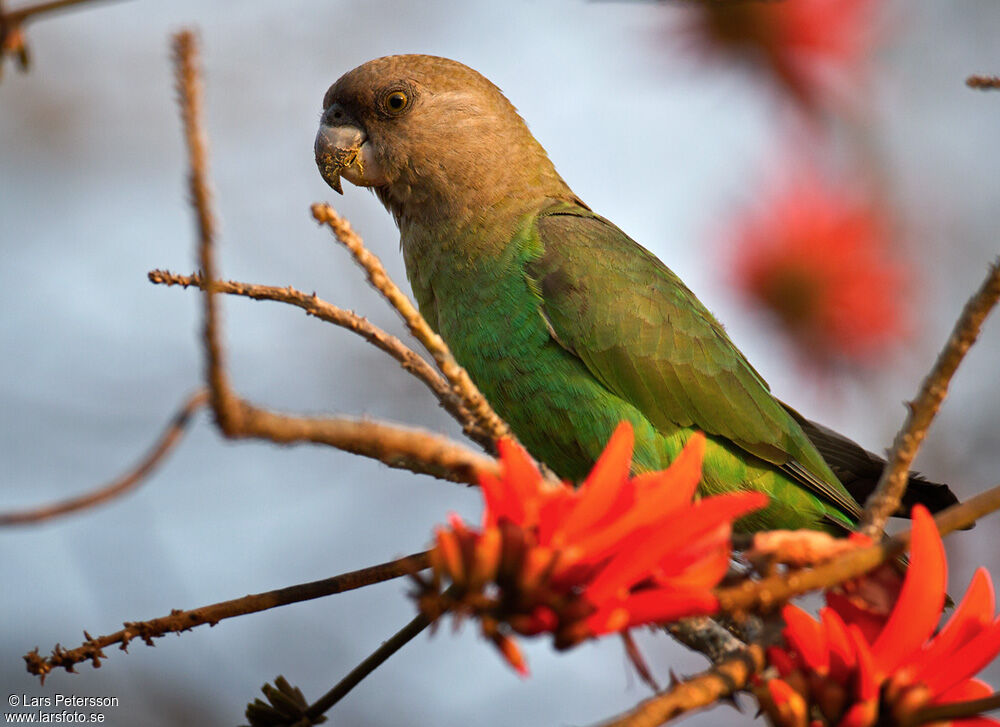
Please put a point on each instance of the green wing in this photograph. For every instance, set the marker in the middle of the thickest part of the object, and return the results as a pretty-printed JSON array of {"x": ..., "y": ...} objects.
[{"x": 648, "y": 339}]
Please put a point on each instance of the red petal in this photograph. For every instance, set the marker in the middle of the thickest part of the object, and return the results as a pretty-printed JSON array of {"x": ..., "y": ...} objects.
[
  {"x": 789, "y": 704},
  {"x": 862, "y": 714},
  {"x": 631, "y": 565},
  {"x": 674, "y": 487},
  {"x": 869, "y": 622},
  {"x": 512, "y": 653},
  {"x": 555, "y": 503},
  {"x": 780, "y": 660},
  {"x": 868, "y": 682},
  {"x": 966, "y": 661},
  {"x": 843, "y": 659},
  {"x": 654, "y": 495},
  {"x": 971, "y": 617},
  {"x": 600, "y": 490},
  {"x": 965, "y": 692},
  {"x": 807, "y": 637},
  {"x": 523, "y": 482},
  {"x": 918, "y": 609},
  {"x": 494, "y": 499},
  {"x": 648, "y": 606}
]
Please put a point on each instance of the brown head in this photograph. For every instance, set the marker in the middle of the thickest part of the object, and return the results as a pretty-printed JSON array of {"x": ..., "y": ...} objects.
[{"x": 433, "y": 138}]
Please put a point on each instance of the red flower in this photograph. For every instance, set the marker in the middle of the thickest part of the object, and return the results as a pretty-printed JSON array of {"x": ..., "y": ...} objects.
[
  {"x": 811, "y": 48},
  {"x": 817, "y": 259},
  {"x": 857, "y": 681},
  {"x": 618, "y": 552}
]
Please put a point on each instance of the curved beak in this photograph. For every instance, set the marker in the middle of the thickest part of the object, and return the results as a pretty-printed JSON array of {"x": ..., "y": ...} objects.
[{"x": 338, "y": 148}]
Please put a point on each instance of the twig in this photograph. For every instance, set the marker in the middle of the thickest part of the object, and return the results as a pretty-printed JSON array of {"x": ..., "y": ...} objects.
[
  {"x": 12, "y": 28},
  {"x": 703, "y": 690},
  {"x": 983, "y": 83},
  {"x": 952, "y": 711},
  {"x": 171, "y": 435},
  {"x": 412, "y": 362},
  {"x": 892, "y": 484},
  {"x": 20, "y": 15},
  {"x": 378, "y": 657},
  {"x": 93, "y": 649},
  {"x": 377, "y": 276},
  {"x": 769, "y": 593}
]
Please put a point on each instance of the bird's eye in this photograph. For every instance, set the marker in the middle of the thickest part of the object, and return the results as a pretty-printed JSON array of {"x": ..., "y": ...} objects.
[{"x": 396, "y": 102}]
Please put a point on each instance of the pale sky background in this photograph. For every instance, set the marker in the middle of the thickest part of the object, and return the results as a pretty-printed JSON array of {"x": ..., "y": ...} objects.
[{"x": 95, "y": 358}]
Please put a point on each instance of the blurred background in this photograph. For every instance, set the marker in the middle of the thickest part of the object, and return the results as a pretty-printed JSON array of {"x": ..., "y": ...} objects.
[{"x": 693, "y": 133}]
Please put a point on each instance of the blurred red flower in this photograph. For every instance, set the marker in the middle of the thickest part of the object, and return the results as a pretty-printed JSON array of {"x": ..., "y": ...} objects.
[
  {"x": 818, "y": 260},
  {"x": 814, "y": 49},
  {"x": 830, "y": 667},
  {"x": 618, "y": 552}
]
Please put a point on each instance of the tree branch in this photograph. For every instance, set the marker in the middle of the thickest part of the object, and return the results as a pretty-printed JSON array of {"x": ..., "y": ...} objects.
[
  {"x": 412, "y": 362},
  {"x": 377, "y": 276},
  {"x": 703, "y": 690},
  {"x": 892, "y": 484},
  {"x": 93, "y": 649},
  {"x": 171, "y": 435}
]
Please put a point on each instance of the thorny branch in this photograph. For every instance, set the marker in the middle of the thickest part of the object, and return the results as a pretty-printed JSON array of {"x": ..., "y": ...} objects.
[
  {"x": 178, "y": 621},
  {"x": 703, "y": 690},
  {"x": 892, "y": 484},
  {"x": 171, "y": 435}
]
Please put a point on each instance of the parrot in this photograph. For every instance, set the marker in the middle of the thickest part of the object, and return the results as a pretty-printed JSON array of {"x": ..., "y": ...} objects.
[{"x": 566, "y": 324}]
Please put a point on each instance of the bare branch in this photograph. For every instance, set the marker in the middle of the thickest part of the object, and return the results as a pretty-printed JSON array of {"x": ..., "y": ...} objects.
[
  {"x": 703, "y": 690},
  {"x": 892, "y": 484},
  {"x": 378, "y": 657},
  {"x": 171, "y": 435},
  {"x": 412, "y": 362},
  {"x": 396, "y": 446},
  {"x": 377, "y": 276},
  {"x": 93, "y": 649}
]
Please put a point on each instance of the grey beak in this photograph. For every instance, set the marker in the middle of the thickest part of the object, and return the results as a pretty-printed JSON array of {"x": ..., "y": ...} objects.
[{"x": 337, "y": 147}]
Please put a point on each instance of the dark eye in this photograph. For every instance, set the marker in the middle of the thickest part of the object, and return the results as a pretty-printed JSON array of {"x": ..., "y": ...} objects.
[{"x": 396, "y": 102}]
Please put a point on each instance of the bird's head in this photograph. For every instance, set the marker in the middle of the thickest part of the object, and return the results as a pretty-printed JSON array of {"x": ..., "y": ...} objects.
[{"x": 431, "y": 137}]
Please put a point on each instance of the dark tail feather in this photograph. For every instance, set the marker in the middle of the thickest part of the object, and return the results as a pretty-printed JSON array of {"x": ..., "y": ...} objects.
[{"x": 859, "y": 470}]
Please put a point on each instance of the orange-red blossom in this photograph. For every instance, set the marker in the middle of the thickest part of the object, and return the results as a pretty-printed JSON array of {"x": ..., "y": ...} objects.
[
  {"x": 831, "y": 673},
  {"x": 617, "y": 552}
]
